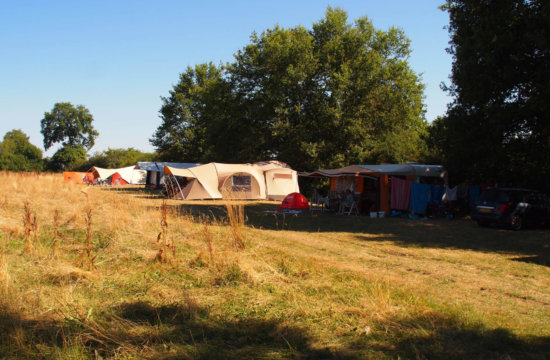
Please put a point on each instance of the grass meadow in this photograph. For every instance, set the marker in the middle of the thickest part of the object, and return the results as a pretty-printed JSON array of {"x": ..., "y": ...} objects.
[{"x": 120, "y": 273}]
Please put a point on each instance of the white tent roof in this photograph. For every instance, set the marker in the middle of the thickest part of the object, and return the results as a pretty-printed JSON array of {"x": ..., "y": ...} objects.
[
  {"x": 129, "y": 173},
  {"x": 102, "y": 172}
]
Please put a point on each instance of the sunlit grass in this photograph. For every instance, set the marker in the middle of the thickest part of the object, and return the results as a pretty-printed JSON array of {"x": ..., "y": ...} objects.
[{"x": 347, "y": 287}]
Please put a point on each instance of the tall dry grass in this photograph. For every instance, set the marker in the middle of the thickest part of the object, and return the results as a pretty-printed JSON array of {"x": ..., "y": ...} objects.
[
  {"x": 55, "y": 242},
  {"x": 4, "y": 271},
  {"x": 234, "y": 291},
  {"x": 236, "y": 219}
]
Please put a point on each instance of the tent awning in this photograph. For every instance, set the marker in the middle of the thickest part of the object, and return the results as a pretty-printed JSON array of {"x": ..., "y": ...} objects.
[
  {"x": 377, "y": 170},
  {"x": 352, "y": 170},
  {"x": 159, "y": 166}
]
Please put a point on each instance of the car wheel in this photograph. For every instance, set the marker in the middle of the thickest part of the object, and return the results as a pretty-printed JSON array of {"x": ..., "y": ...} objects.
[
  {"x": 516, "y": 222},
  {"x": 483, "y": 223}
]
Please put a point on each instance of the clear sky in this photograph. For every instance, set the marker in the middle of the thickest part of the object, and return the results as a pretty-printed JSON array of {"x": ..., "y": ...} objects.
[{"x": 117, "y": 58}]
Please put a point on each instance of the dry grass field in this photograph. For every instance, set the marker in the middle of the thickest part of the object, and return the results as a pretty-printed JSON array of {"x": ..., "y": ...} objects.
[{"x": 120, "y": 273}]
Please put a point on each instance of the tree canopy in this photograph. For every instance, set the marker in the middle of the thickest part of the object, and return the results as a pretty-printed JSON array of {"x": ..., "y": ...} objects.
[
  {"x": 18, "y": 154},
  {"x": 68, "y": 125},
  {"x": 68, "y": 158},
  {"x": 498, "y": 127},
  {"x": 330, "y": 96},
  {"x": 117, "y": 158}
]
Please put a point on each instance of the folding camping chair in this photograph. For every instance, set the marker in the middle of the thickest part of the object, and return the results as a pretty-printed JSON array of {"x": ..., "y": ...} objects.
[{"x": 353, "y": 206}]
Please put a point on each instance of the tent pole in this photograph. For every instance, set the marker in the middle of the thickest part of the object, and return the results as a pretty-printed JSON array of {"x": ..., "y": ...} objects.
[{"x": 179, "y": 187}]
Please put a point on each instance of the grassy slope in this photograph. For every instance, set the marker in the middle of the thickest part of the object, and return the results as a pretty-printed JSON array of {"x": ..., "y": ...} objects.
[{"x": 326, "y": 287}]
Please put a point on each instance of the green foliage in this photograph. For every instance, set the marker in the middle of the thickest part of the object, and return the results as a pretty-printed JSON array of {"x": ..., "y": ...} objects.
[
  {"x": 68, "y": 158},
  {"x": 498, "y": 127},
  {"x": 117, "y": 158},
  {"x": 68, "y": 125},
  {"x": 331, "y": 96},
  {"x": 198, "y": 101},
  {"x": 18, "y": 154}
]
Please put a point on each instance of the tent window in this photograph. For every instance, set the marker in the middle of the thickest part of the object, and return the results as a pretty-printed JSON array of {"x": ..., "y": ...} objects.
[
  {"x": 282, "y": 176},
  {"x": 241, "y": 182}
]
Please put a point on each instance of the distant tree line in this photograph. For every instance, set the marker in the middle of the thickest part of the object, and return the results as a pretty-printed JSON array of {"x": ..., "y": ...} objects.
[{"x": 71, "y": 127}]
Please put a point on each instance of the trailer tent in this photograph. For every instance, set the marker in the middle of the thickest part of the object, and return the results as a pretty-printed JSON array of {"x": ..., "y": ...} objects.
[{"x": 265, "y": 180}]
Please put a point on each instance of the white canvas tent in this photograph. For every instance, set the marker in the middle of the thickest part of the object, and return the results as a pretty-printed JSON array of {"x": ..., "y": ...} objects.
[
  {"x": 266, "y": 180},
  {"x": 129, "y": 174}
]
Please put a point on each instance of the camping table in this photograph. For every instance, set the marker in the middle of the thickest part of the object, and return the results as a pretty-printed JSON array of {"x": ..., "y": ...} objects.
[{"x": 283, "y": 214}]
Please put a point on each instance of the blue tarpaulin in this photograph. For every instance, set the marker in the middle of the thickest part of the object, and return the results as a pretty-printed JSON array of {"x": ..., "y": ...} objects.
[{"x": 420, "y": 194}]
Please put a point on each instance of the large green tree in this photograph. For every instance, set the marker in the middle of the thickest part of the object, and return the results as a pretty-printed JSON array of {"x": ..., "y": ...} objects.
[
  {"x": 68, "y": 125},
  {"x": 498, "y": 127},
  {"x": 199, "y": 100},
  {"x": 333, "y": 95},
  {"x": 18, "y": 154},
  {"x": 71, "y": 127}
]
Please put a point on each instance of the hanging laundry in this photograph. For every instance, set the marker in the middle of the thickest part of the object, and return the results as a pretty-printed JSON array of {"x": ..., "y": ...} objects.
[
  {"x": 400, "y": 193},
  {"x": 420, "y": 193},
  {"x": 450, "y": 194}
]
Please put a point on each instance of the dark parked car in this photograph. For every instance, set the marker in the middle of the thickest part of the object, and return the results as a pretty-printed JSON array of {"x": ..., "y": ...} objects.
[{"x": 514, "y": 208}]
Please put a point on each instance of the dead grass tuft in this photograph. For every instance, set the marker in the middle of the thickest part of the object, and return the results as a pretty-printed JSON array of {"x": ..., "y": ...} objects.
[{"x": 236, "y": 218}]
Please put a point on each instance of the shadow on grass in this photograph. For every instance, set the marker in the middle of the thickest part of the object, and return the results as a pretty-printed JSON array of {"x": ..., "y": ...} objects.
[
  {"x": 543, "y": 259},
  {"x": 188, "y": 332},
  {"x": 432, "y": 233},
  {"x": 437, "y": 336},
  {"x": 218, "y": 338},
  {"x": 166, "y": 332},
  {"x": 138, "y": 191}
]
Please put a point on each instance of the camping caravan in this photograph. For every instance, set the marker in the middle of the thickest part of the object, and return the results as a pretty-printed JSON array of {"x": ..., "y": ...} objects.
[
  {"x": 123, "y": 176},
  {"x": 154, "y": 177},
  {"x": 266, "y": 180}
]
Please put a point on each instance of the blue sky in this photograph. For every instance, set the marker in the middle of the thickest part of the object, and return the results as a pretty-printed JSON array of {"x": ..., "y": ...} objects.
[{"x": 118, "y": 58}]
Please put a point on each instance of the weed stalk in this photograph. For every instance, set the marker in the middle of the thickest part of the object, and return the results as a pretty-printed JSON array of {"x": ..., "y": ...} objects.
[
  {"x": 55, "y": 232},
  {"x": 208, "y": 240},
  {"x": 88, "y": 242},
  {"x": 164, "y": 244},
  {"x": 28, "y": 226}
]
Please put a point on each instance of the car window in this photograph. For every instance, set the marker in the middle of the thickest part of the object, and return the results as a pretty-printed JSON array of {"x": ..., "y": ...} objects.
[{"x": 493, "y": 196}]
